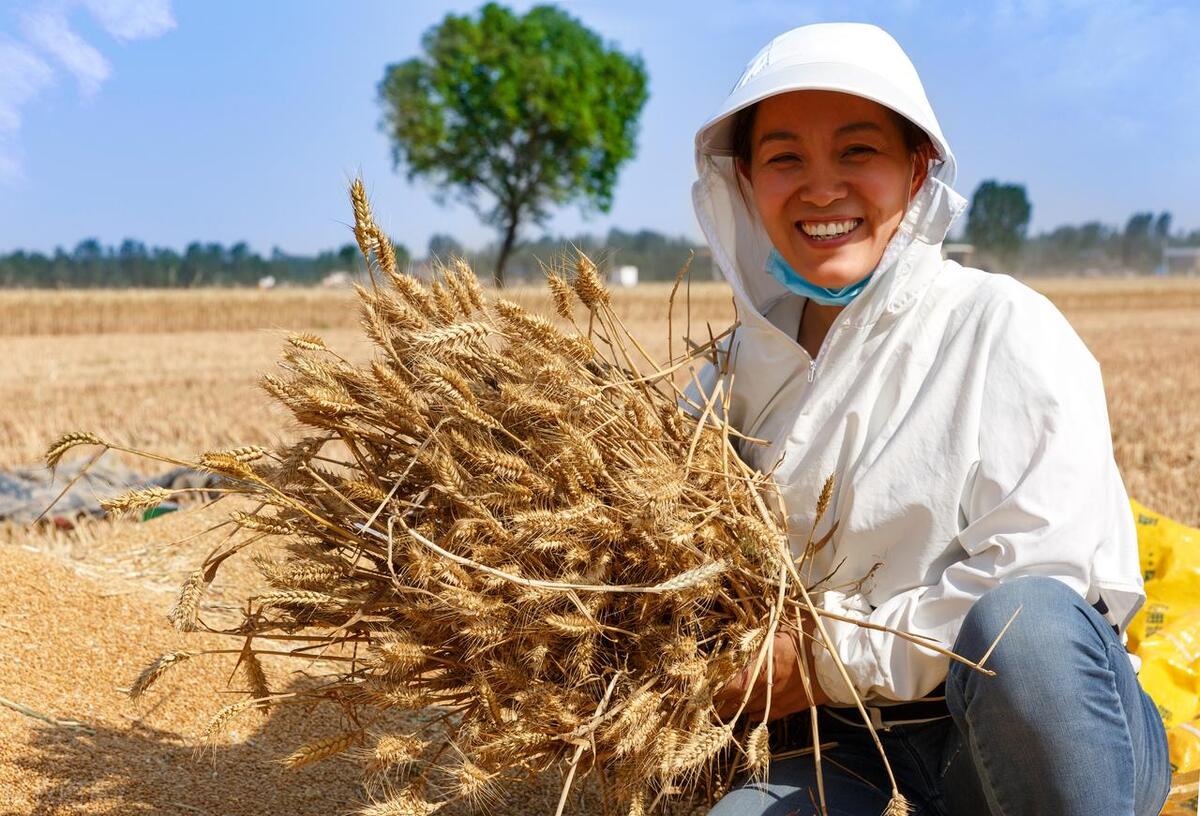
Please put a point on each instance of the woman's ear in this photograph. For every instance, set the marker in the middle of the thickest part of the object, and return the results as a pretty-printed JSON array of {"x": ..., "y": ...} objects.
[
  {"x": 920, "y": 171},
  {"x": 922, "y": 157}
]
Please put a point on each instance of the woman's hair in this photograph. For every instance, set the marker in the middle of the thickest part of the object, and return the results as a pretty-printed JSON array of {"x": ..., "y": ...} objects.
[{"x": 916, "y": 140}]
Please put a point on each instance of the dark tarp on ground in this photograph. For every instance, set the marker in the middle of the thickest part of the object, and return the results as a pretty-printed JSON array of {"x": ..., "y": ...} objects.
[{"x": 26, "y": 492}]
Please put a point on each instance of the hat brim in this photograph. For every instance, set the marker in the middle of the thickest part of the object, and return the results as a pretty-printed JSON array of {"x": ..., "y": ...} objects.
[{"x": 715, "y": 137}]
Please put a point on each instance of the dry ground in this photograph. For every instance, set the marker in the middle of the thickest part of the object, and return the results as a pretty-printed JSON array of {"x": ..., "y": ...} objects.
[{"x": 80, "y": 614}]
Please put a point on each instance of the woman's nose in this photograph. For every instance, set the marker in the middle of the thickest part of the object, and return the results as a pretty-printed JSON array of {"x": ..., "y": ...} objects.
[{"x": 822, "y": 187}]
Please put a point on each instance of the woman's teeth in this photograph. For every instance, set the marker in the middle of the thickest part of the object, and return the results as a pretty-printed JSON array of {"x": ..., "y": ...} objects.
[{"x": 826, "y": 230}]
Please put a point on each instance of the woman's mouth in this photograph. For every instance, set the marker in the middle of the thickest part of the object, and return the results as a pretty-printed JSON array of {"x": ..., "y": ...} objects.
[{"x": 828, "y": 234}]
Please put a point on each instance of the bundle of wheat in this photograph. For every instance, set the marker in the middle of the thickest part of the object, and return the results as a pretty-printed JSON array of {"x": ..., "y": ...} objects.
[{"x": 515, "y": 527}]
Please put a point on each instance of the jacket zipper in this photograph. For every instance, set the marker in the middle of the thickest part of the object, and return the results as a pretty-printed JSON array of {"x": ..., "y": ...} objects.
[
  {"x": 812, "y": 376},
  {"x": 812, "y": 361}
]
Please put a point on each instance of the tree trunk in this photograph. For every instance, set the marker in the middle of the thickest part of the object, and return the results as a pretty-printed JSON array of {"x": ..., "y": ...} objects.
[{"x": 506, "y": 248}]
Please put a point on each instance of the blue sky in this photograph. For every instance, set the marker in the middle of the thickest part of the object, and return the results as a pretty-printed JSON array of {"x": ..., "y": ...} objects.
[{"x": 227, "y": 120}]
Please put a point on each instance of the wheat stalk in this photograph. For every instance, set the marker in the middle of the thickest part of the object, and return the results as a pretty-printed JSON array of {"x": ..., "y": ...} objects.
[
  {"x": 898, "y": 806},
  {"x": 183, "y": 614},
  {"x": 693, "y": 577},
  {"x": 758, "y": 751},
  {"x": 139, "y": 499},
  {"x": 152, "y": 673},
  {"x": 307, "y": 341},
  {"x": 320, "y": 749},
  {"x": 64, "y": 443},
  {"x": 513, "y": 530},
  {"x": 223, "y": 718},
  {"x": 405, "y": 803}
]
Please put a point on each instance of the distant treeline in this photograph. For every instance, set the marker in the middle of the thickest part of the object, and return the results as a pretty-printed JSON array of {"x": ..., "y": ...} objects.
[
  {"x": 134, "y": 264},
  {"x": 1095, "y": 246},
  {"x": 91, "y": 265},
  {"x": 657, "y": 256},
  {"x": 1091, "y": 246}
]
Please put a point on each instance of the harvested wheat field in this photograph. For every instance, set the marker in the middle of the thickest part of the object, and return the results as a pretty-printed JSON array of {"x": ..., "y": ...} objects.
[{"x": 82, "y": 612}]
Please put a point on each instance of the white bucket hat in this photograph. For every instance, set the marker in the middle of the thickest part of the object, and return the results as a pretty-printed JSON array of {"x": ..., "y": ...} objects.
[{"x": 853, "y": 58}]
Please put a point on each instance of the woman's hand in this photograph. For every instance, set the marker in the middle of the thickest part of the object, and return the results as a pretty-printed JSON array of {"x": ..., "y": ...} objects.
[{"x": 787, "y": 693}]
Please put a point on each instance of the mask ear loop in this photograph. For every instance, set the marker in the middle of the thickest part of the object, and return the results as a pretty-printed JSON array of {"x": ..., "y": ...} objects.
[
  {"x": 909, "y": 219},
  {"x": 912, "y": 172},
  {"x": 904, "y": 235}
]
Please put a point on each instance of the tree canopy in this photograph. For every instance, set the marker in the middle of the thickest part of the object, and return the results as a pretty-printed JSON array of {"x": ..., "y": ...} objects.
[
  {"x": 134, "y": 264},
  {"x": 515, "y": 114},
  {"x": 444, "y": 246},
  {"x": 998, "y": 218}
]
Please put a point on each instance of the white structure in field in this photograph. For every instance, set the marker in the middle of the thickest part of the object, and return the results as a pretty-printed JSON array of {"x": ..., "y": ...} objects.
[
  {"x": 626, "y": 276},
  {"x": 1184, "y": 260},
  {"x": 962, "y": 253}
]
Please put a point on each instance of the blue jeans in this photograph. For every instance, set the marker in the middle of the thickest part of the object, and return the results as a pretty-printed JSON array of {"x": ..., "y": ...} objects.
[{"x": 1063, "y": 729}]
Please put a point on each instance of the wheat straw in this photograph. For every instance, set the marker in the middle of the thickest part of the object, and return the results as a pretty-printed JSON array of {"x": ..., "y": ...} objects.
[{"x": 524, "y": 529}]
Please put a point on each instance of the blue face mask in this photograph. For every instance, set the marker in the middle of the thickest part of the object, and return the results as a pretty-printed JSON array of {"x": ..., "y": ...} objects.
[{"x": 778, "y": 269}]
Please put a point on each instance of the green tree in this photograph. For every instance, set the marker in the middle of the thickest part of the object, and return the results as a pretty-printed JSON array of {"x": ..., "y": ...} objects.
[
  {"x": 1136, "y": 242},
  {"x": 89, "y": 262},
  {"x": 241, "y": 263},
  {"x": 444, "y": 246},
  {"x": 167, "y": 262},
  {"x": 516, "y": 114},
  {"x": 1162, "y": 226},
  {"x": 348, "y": 258},
  {"x": 133, "y": 262},
  {"x": 998, "y": 218}
]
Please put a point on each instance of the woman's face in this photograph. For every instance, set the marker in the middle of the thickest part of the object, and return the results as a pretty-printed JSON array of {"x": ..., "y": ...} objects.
[{"x": 831, "y": 176}]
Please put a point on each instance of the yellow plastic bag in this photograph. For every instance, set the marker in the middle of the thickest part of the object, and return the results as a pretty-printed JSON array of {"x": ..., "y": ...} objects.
[
  {"x": 1170, "y": 561},
  {"x": 1184, "y": 742},
  {"x": 1170, "y": 664},
  {"x": 1166, "y": 635}
]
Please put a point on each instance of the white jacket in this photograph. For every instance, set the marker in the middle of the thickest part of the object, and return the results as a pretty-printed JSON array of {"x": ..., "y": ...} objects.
[{"x": 963, "y": 418}]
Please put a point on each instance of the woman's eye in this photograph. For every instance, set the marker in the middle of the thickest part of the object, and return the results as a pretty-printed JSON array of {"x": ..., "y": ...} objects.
[
  {"x": 783, "y": 158},
  {"x": 860, "y": 150}
]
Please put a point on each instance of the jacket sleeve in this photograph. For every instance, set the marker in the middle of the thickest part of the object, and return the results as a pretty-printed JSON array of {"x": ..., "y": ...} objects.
[
  {"x": 1039, "y": 500},
  {"x": 707, "y": 378},
  {"x": 696, "y": 393}
]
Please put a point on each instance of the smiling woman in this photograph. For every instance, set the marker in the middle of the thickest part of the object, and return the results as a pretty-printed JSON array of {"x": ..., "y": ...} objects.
[
  {"x": 830, "y": 171},
  {"x": 965, "y": 425}
]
